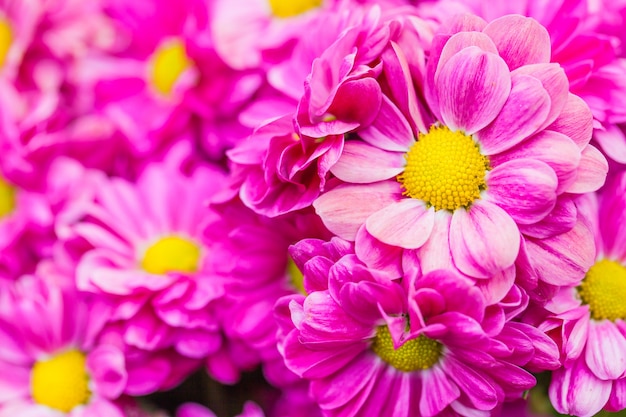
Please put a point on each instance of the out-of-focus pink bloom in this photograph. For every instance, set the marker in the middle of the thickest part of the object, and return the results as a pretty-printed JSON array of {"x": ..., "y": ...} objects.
[
  {"x": 50, "y": 361},
  {"x": 250, "y": 409},
  {"x": 145, "y": 255},
  {"x": 587, "y": 318}
]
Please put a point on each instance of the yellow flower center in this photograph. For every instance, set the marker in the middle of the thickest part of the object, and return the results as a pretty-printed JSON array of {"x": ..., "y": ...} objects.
[
  {"x": 169, "y": 61},
  {"x": 415, "y": 355},
  {"x": 445, "y": 169},
  {"x": 295, "y": 276},
  {"x": 7, "y": 198},
  {"x": 604, "y": 290},
  {"x": 61, "y": 382},
  {"x": 171, "y": 254},
  {"x": 6, "y": 39},
  {"x": 289, "y": 8}
]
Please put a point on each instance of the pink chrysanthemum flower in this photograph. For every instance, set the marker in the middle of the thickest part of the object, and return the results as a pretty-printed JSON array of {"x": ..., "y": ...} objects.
[
  {"x": 589, "y": 319},
  {"x": 370, "y": 347},
  {"x": 164, "y": 73},
  {"x": 506, "y": 146},
  {"x": 50, "y": 364},
  {"x": 146, "y": 255}
]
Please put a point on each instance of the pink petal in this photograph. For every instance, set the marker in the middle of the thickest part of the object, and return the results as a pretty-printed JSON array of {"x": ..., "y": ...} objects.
[
  {"x": 480, "y": 392},
  {"x": 378, "y": 255},
  {"x": 361, "y": 163},
  {"x": 563, "y": 259},
  {"x": 617, "y": 402},
  {"x": 345, "y": 208},
  {"x": 462, "y": 40},
  {"x": 437, "y": 392},
  {"x": 554, "y": 81},
  {"x": 591, "y": 173},
  {"x": 473, "y": 86},
  {"x": 606, "y": 350},
  {"x": 555, "y": 149},
  {"x": 520, "y": 40},
  {"x": 575, "y": 121},
  {"x": 524, "y": 112},
  {"x": 390, "y": 130},
  {"x": 406, "y": 223},
  {"x": 108, "y": 370},
  {"x": 524, "y": 188},
  {"x": 613, "y": 143},
  {"x": 576, "y": 391},
  {"x": 476, "y": 255}
]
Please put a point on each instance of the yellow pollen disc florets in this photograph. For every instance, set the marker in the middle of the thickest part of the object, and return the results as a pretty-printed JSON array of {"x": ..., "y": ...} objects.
[
  {"x": 415, "y": 355},
  {"x": 296, "y": 278},
  {"x": 7, "y": 198},
  {"x": 604, "y": 290},
  {"x": 445, "y": 169},
  {"x": 171, "y": 254},
  {"x": 169, "y": 61},
  {"x": 6, "y": 40},
  {"x": 289, "y": 8},
  {"x": 61, "y": 382}
]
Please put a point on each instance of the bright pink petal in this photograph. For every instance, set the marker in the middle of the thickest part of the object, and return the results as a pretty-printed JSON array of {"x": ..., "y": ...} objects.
[
  {"x": 591, "y": 173},
  {"x": 345, "y": 208},
  {"x": 520, "y": 40},
  {"x": 473, "y": 253},
  {"x": 480, "y": 392},
  {"x": 606, "y": 350},
  {"x": 563, "y": 259},
  {"x": 524, "y": 188},
  {"x": 555, "y": 149},
  {"x": 406, "y": 223},
  {"x": 390, "y": 130},
  {"x": 473, "y": 86},
  {"x": 524, "y": 112},
  {"x": 107, "y": 368},
  {"x": 554, "y": 81},
  {"x": 438, "y": 391},
  {"x": 617, "y": 402},
  {"x": 361, "y": 163},
  {"x": 462, "y": 40},
  {"x": 576, "y": 391},
  {"x": 575, "y": 121}
]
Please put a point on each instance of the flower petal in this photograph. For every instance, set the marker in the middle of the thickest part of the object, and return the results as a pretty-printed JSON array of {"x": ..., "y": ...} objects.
[
  {"x": 606, "y": 350},
  {"x": 390, "y": 130},
  {"x": 524, "y": 112},
  {"x": 524, "y": 188},
  {"x": 483, "y": 239},
  {"x": 576, "y": 391},
  {"x": 575, "y": 121},
  {"x": 345, "y": 208},
  {"x": 361, "y": 163},
  {"x": 473, "y": 86},
  {"x": 520, "y": 40},
  {"x": 591, "y": 173},
  {"x": 406, "y": 223}
]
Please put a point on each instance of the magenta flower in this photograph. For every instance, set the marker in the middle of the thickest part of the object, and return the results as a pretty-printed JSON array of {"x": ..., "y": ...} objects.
[
  {"x": 250, "y": 253},
  {"x": 50, "y": 363},
  {"x": 506, "y": 147},
  {"x": 588, "y": 319},
  {"x": 432, "y": 349},
  {"x": 250, "y": 409},
  {"x": 146, "y": 256}
]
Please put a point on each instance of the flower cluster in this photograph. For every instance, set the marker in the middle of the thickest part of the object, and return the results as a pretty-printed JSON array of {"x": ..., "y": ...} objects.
[{"x": 391, "y": 208}]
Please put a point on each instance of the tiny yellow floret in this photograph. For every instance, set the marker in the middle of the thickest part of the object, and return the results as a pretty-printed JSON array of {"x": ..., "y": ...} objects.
[
  {"x": 286, "y": 8},
  {"x": 296, "y": 278},
  {"x": 604, "y": 290},
  {"x": 61, "y": 382},
  {"x": 445, "y": 169},
  {"x": 7, "y": 198},
  {"x": 169, "y": 61},
  {"x": 6, "y": 40},
  {"x": 415, "y": 355},
  {"x": 171, "y": 254}
]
